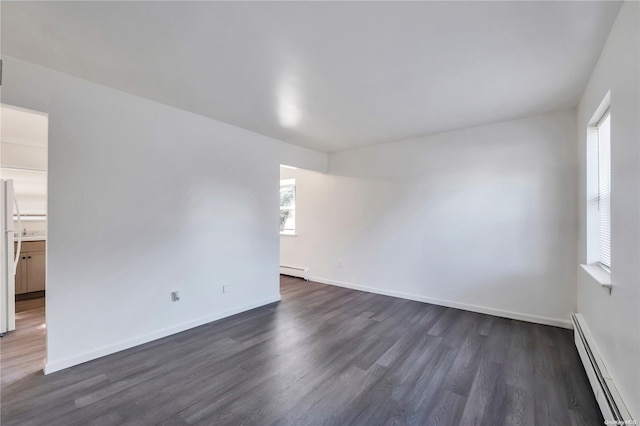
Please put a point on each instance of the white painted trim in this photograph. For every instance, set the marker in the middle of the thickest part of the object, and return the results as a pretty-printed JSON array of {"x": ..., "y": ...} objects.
[
  {"x": 51, "y": 367},
  {"x": 599, "y": 275},
  {"x": 556, "y": 322}
]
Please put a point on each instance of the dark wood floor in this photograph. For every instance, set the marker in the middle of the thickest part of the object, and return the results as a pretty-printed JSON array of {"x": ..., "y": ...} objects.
[{"x": 324, "y": 355}]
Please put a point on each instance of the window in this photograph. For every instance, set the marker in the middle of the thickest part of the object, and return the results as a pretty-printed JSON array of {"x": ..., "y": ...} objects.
[
  {"x": 604, "y": 189},
  {"x": 600, "y": 193},
  {"x": 288, "y": 207}
]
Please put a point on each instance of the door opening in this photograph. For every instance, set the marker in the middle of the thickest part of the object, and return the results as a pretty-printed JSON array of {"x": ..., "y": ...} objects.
[{"x": 24, "y": 176}]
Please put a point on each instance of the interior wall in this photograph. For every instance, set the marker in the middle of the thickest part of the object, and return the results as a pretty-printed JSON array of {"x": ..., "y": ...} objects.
[
  {"x": 146, "y": 199},
  {"x": 483, "y": 219},
  {"x": 613, "y": 318}
]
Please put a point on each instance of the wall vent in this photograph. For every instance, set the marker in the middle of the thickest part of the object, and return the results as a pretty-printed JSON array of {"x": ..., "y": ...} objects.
[{"x": 295, "y": 272}]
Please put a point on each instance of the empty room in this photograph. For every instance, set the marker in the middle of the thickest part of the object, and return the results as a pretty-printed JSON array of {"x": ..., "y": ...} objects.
[{"x": 320, "y": 213}]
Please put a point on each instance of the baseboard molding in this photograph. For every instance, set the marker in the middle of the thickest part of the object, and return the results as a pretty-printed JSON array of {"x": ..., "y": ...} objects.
[
  {"x": 556, "y": 322},
  {"x": 52, "y": 367}
]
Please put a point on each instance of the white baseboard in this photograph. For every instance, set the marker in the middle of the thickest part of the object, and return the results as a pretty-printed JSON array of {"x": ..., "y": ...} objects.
[
  {"x": 51, "y": 367},
  {"x": 556, "y": 322},
  {"x": 293, "y": 271}
]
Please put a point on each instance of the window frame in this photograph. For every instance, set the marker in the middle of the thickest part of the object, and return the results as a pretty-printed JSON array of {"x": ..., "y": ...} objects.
[
  {"x": 604, "y": 261},
  {"x": 283, "y": 184},
  {"x": 599, "y": 242}
]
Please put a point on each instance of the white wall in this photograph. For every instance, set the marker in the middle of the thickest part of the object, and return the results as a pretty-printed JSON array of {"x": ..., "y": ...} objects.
[
  {"x": 145, "y": 199},
  {"x": 482, "y": 218},
  {"x": 613, "y": 319}
]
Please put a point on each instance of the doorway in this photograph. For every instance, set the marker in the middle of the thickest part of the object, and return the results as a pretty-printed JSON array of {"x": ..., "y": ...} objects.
[
  {"x": 296, "y": 231},
  {"x": 23, "y": 169}
]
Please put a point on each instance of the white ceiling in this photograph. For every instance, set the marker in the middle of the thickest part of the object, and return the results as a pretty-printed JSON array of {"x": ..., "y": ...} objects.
[{"x": 325, "y": 75}]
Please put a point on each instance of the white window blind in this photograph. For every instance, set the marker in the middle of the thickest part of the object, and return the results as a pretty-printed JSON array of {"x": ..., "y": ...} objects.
[{"x": 604, "y": 190}]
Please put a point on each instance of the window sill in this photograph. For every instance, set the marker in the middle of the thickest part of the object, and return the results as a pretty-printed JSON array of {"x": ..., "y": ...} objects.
[
  {"x": 288, "y": 234},
  {"x": 601, "y": 276}
]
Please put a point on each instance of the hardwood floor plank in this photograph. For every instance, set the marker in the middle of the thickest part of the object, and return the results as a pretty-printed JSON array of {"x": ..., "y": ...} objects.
[
  {"x": 466, "y": 365},
  {"x": 449, "y": 407},
  {"x": 421, "y": 403},
  {"x": 477, "y": 410},
  {"x": 518, "y": 409}
]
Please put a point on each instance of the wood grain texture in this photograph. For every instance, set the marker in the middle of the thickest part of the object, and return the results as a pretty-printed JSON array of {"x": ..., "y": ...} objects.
[
  {"x": 322, "y": 356},
  {"x": 22, "y": 351}
]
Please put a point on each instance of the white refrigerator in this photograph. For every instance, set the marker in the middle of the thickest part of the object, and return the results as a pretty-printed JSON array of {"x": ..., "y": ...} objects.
[{"x": 8, "y": 256}]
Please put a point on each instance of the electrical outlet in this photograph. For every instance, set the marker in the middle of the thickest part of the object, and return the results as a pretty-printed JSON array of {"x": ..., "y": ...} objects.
[
  {"x": 226, "y": 288},
  {"x": 175, "y": 296}
]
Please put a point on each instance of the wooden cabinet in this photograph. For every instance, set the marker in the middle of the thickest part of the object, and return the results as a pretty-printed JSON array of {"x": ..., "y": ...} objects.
[
  {"x": 35, "y": 271},
  {"x": 30, "y": 275},
  {"x": 21, "y": 275}
]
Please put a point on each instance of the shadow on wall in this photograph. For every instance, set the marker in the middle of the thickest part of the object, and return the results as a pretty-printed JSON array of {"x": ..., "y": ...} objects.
[
  {"x": 488, "y": 221},
  {"x": 473, "y": 237},
  {"x": 475, "y": 233}
]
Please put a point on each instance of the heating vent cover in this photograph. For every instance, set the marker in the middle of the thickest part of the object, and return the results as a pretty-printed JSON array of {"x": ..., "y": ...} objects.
[
  {"x": 295, "y": 272},
  {"x": 609, "y": 400}
]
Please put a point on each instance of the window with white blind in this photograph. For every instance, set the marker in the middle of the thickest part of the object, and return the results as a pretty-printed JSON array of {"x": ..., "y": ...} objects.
[
  {"x": 600, "y": 135},
  {"x": 604, "y": 189}
]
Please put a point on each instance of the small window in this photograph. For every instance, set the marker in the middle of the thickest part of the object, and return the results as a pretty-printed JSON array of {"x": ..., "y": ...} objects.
[
  {"x": 600, "y": 175},
  {"x": 288, "y": 206},
  {"x": 604, "y": 189}
]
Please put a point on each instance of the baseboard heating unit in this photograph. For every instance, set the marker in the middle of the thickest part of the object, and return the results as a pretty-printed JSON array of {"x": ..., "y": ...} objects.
[
  {"x": 295, "y": 272},
  {"x": 613, "y": 408}
]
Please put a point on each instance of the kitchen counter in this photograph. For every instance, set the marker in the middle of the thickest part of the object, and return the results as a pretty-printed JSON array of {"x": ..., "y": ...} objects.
[{"x": 34, "y": 238}]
